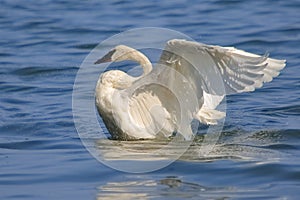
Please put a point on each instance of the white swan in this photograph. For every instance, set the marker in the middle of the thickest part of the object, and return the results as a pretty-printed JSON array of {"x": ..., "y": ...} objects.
[{"x": 185, "y": 85}]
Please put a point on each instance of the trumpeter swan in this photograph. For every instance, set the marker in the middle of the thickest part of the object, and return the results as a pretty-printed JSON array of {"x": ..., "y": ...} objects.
[{"x": 185, "y": 85}]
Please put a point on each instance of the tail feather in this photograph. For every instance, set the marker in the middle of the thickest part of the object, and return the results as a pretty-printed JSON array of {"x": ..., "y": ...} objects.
[{"x": 209, "y": 116}]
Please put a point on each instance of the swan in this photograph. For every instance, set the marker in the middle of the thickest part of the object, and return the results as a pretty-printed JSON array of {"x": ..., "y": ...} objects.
[{"x": 188, "y": 83}]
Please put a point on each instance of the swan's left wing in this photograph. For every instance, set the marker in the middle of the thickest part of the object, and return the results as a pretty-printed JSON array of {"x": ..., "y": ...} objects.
[
  {"x": 152, "y": 109},
  {"x": 159, "y": 107}
]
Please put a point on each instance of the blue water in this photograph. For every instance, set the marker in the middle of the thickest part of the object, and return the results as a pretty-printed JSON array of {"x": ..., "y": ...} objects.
[{"x": 43, "y": 43}]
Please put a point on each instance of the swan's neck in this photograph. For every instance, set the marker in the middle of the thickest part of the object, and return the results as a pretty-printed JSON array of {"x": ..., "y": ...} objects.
[{"x": 142, "y": 60}]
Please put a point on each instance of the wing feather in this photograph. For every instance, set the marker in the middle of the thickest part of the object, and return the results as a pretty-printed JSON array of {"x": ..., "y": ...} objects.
[
  {"x": 240, "y": 71},
  {"x": 191, "y": 79},
  {"x": 215, "y": 71}
]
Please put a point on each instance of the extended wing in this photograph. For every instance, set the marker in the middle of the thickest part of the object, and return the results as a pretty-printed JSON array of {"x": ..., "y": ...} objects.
[
  {"x": 214, "y": 71},
  {"x": 239, "y": 71}
]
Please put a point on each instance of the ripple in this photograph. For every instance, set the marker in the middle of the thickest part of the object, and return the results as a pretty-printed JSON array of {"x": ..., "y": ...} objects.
[
  {"x": 285, "y": 110},
  {"x": 40, "y": 70},
  {"x": 236, "y": 145},
  {"x": 175, "y": 188},
  {"x": 85, "y": 46}
]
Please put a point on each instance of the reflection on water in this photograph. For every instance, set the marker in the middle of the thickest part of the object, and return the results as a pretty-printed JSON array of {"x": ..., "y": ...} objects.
[
  {"x": 259, "y": 146},
  {"x": 170, "y": 188},
  {"x": 262, "y": 154}
]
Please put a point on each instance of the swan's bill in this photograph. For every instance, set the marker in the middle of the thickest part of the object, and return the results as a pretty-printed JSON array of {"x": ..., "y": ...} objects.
[{"x": 106, "y": 58}]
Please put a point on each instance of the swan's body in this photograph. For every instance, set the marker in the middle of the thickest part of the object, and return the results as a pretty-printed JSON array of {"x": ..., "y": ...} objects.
[{"x": 184, "y": 86}]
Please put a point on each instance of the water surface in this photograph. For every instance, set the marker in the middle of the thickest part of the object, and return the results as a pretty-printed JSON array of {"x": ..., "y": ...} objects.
[{"x": 42, "y": 45}]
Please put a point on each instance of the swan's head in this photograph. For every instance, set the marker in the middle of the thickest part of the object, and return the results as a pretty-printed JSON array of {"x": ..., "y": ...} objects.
[
  {"x": 119, "y": 53},
  {"x": 122, "y": 52}
]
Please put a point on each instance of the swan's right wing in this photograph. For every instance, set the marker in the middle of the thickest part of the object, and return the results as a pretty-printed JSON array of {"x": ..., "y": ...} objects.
[
  {"x": 238, "y": 70},
  {"x": 214, "y": 71}
]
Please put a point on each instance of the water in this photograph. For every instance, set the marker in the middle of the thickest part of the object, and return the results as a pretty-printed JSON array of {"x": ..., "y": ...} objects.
[{"x": 42, "y": 45}]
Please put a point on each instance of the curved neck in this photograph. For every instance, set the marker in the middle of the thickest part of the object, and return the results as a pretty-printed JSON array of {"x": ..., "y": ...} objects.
[{"x": 142, "y": 60}]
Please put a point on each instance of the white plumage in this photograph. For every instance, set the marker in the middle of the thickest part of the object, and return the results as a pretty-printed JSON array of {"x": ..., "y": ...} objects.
[{"x": 188, "y": 83}]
